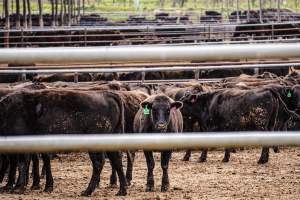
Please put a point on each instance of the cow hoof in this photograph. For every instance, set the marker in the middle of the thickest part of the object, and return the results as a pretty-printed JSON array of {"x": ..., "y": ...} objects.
[
  {"x": 164, "y": 188},
  {"x": 19, "y": 190},
  {"x": 225, "y": 160},
  {"x": 150, "y": 188},
  {"x": 35, "y": 187},
  {"x": 7, "y": 188},
  {"x": 128, "y": 183},
  {"x": 85, "y": 193},
  {"x": 202, "y": 160},
  {"x": 113, "y": 183},
  {"x": 262, "y": 161},
  {"x": 276, "y": 150},
  {"x": 186, "y": 158},
  {"x": 122, "y": 193},
  {"x": 48, "y": 189}
]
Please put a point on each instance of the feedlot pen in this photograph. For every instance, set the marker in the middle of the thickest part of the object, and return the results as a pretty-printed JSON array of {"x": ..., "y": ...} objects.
[{"x": 241, "y": 178}]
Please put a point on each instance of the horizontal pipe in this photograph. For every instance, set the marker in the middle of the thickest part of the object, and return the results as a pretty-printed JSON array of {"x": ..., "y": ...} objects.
[
  {"x": 149, "y": 53},
  {"x": 55, "y": 143},
  {"x": 146, "y": 27},
  {"x": 143, "y": 69}
]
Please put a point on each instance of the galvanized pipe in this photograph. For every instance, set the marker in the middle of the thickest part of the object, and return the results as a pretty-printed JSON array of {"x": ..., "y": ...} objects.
[
  {"x": 143, "y": 69},
  {"x": 147, "y": 27},
  {"x": 149, "y": 53},
  {"x": 55, "y": 143}
]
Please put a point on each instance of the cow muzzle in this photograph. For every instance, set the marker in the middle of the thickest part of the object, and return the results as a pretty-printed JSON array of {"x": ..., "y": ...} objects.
[{"x": 162, "y": 127}]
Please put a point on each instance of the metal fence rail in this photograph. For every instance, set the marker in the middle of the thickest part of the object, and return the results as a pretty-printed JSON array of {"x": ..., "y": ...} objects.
[
  {"x": 135, "y": 35},
  {"x": 144, "y": 69},
  {"x": 55, "y": 143},
  {"x": 149, "y": 53},
  {"x": 144, "y": 27}
]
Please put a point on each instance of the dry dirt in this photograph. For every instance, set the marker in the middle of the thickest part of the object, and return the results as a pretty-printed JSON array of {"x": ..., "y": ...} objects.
[{"x": 241, "y": 178}]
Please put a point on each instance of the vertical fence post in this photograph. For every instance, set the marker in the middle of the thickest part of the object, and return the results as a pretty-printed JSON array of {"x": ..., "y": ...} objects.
[
  {"x": 197, "y": 74},
  {"x": 85, "y": 37},
  {"x": 278, "y": 11},
  {"x": 143, "y": 77},
  {"x": 76, "y": 77}
]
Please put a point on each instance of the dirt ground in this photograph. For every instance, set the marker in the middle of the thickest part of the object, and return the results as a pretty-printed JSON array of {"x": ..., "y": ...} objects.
[{"x": 241, "y": 178}]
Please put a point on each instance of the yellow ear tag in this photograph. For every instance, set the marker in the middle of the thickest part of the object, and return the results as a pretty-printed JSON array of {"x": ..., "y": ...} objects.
[
  {"x": 146, "y": 110},
  {"x": 289, "y": 94}
]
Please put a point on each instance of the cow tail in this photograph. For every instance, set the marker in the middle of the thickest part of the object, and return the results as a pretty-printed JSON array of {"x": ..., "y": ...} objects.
[{"x": 294, "y": 114}]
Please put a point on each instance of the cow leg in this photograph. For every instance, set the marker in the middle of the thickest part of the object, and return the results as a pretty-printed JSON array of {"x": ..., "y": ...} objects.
[
  {"x": 187, "y": 155},
  {"x": 98, "y": 161},
  {"x": 264, "y": 157},
  {"x": 113, "y": 176},
  {"x": 23, "y": 162},
  {"x": 227, "y": 154},
  {"x": 129, "y": 170},
  {"x": 276, "y": 149},
  {"x": 165, "y": 158},
  {"x": 13, "y": 161},
  {"x": 4, "y": 167},
  {"x": 116, "y": 160},
  {"x": 27, "y": 169},
  {"x": 150, "y": 167},
  {"x": 49, "y": 177},
  {"x": 35, "y": 172},
  {"x": 203, "y": 156},
  {"x": 43, "y": 171}
]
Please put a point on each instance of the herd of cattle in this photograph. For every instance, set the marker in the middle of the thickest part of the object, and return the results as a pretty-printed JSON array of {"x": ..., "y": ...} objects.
[{"x": 265, "y": 102}]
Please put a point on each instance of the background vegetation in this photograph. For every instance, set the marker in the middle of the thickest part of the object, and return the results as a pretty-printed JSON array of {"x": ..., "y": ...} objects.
[{"x": 140, "y": 6}]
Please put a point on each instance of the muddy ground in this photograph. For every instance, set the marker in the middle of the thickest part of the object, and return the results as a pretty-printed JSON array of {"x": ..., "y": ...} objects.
[{"x": 241, "y": 178}]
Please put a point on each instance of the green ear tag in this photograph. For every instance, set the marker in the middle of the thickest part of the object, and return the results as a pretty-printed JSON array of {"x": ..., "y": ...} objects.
[
  {"x": 289, "y": 94},
  {"x": 146, "y": 110}
]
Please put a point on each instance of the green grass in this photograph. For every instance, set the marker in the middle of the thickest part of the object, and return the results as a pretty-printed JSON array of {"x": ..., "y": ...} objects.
[{"x": 197, "y": 6}]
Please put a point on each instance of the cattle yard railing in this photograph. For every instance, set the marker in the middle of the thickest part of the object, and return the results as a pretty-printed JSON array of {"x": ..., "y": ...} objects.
[
  {"x": 145, "y": 34},
  {"x": 144, "y": 70},
  {"x": 148, "y": 53},
  {"x": 146, "y": 141}
]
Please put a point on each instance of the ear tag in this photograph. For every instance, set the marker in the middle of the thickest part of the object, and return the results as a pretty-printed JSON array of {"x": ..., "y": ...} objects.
[
  {"x": 146, "y": 110},
  {"x": 289, "y": 94}
]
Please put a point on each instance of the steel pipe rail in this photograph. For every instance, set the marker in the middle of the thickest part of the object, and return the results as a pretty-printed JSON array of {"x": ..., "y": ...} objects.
[
  {"x": 143, "y": 69},
  {"x": 145, "y": 27},
  {"x": 149, "y": 53},
  {"x": 55, "y": 143}
]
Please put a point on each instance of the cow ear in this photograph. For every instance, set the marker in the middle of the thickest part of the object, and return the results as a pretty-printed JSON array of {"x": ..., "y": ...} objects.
[
  {"x": 176, "y": 104},
  {"x": 147, "y": 104},
  {"x": 39, "y": 109}
]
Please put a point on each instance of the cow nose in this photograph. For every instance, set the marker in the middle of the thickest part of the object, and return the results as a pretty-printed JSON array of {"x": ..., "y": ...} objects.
[{"x": 161, "y": 125}]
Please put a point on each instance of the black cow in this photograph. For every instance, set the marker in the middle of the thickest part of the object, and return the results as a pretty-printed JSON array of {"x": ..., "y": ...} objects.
[
  {"x": 189, "y": 123},
  {"x": 237, "y": 110},
  {"x": 69, "y": 112},
  {"x": 158, "y": 114}
]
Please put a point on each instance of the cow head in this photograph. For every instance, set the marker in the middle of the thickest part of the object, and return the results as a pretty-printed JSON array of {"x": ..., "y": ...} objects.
[
  {"x": 160, "y": 109},
  {"x": 194, "y": 105}
]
